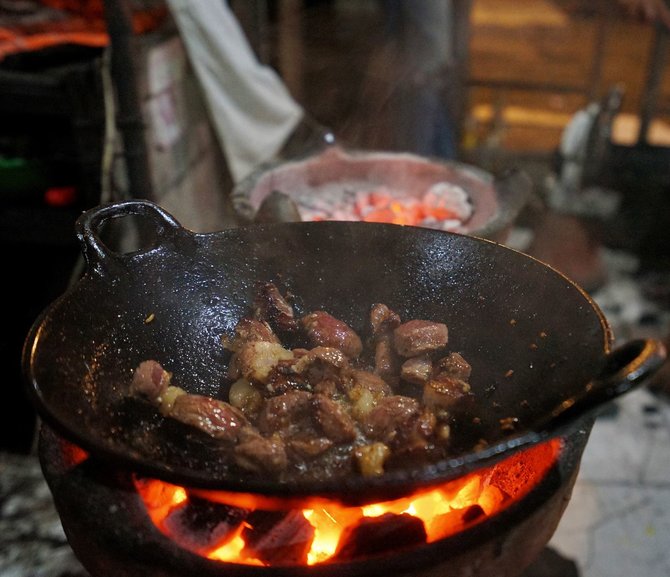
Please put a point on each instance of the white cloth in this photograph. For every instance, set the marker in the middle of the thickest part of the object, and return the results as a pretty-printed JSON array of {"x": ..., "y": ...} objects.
[{"x": 252, "y": 111}]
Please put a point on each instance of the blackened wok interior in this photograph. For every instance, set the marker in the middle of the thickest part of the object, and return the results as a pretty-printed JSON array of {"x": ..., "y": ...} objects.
[{"x": 532, "y": 337}]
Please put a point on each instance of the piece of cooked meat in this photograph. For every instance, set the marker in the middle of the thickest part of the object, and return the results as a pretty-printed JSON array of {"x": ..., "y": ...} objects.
[
  {"x": 324, "y": 330},
  {"x": 150, "y": 380},
  {"x": 418, "y": 337}
]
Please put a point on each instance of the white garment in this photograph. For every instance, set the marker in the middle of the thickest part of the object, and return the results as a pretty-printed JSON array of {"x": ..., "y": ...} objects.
[{"x": 252, "y": 111}]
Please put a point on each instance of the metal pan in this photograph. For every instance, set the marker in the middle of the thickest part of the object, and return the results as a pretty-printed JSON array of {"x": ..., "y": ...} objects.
[{"x": 540, "y": 348}]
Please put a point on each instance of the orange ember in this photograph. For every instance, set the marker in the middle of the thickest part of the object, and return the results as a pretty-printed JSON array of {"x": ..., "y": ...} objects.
[
  {"x": 380, "y": 207},
  {"x": 317, "y": 530}
]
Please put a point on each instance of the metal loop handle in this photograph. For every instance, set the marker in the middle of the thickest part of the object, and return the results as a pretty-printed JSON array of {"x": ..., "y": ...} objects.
[
  {"x": 627, "y": 367},
  {"x": 89, "y": 225}
]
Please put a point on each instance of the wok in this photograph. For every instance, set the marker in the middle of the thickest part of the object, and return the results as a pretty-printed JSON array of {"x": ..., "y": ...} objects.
[{"x": 540, "y": 348}]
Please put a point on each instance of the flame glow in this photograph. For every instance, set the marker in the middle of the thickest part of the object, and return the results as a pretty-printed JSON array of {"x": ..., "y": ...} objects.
[{"x": 443, "y": 510}]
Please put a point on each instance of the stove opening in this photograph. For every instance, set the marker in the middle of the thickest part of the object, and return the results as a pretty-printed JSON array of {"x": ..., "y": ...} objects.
[{"x": 259, "y": 530}]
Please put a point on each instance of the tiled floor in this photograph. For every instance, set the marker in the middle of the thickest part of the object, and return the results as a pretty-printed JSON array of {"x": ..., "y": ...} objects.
[{"x": 618, "y": 520}]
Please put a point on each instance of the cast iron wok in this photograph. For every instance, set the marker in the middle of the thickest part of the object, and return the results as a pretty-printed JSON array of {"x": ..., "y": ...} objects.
[{"x": 540, "y": 348}]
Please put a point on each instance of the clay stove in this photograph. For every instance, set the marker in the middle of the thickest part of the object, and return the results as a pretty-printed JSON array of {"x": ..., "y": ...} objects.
[{"x": 494, "y": 521}]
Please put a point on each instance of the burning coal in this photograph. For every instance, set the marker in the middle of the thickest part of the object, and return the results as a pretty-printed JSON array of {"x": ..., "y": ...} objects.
[{"x": 257, "y": 530}]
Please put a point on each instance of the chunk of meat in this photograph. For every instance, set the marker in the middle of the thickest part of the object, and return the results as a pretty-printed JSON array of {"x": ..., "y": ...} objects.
[
  {"x": 217, "y": 418},
  {"x": 308, "y": 445},
  {"x": 249, "y": 330},
  {"x": 286, "y": 413},
  {"x": 261, "y": 455},
  {"x": 383, "y": 319},
  {"x": 270, "y": 305},
  {"x": 419, "y": 337},
  {"x": 388, "y": 416},
  {"x": 445, "y": 392},
  {"x": 414, "y": 444},
  {"x": 150, "y": 380},
  {"x": 320, "y": 356},
  {"x": 382, "y": 323},
  {"x": 334, "y": 420},
  {"x": 324, "y": 330},
  {"x": 454, "y": 365},
  {"x": 356, "y": 378},
  {"x": 386, "y": 360},
  {"x": 255, "y": 360},
  {"x": 364, "y": 389},
  {"x": 417, "y": 370}
]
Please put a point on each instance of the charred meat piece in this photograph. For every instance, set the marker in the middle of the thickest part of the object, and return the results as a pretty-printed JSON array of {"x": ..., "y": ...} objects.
[
  {"x": 324, "y": 330},
  {"x": 419, "y": 337},
  {"x": 356, "y": 378},
  {"x": 270, "y": 305},
  {"x": 414, "y": 442}
]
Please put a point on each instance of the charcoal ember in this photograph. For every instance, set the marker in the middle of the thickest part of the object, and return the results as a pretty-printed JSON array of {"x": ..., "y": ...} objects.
[
  {"x": 201, "y": 524},
  {"x": 278, "y": 537},
  {"x": 376, "y": 535},
  {"x": 456, "y": 520}
]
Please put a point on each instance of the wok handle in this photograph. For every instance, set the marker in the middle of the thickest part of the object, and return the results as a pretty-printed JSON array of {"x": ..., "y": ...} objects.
[
  {"x": 89, "y": 225},
  {"x": 627, "y": 367}
]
